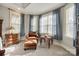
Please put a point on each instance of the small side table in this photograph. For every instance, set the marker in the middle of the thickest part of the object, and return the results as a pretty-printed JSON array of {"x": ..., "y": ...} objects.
[{"x": 48, "y": 40}]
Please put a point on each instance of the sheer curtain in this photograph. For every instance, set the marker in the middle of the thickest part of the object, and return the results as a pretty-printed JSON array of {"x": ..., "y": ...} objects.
[{"x": 34, "y": 23}]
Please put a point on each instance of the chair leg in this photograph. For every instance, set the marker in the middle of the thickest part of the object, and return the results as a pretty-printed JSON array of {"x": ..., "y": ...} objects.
[
  {"x": 51, "y": 41},
  {"x": 40, "y": 41},
  {"x": 25, "y": 49}
]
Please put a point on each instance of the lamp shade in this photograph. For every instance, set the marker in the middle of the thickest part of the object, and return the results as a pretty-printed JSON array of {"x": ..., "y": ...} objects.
[{"x": 10, "y": 29}]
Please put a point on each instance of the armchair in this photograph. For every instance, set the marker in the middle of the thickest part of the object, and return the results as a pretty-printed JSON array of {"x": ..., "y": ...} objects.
[{"x": 31, "y": 41}]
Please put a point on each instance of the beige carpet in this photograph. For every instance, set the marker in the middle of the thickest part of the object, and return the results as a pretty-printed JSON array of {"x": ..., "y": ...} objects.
[{"x": 54, "y": 50}]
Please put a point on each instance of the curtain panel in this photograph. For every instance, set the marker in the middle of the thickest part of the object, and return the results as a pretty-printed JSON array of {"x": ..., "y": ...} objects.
[
  {"x": 58, "y": 25},
  {"x": 22, "y": 28}
]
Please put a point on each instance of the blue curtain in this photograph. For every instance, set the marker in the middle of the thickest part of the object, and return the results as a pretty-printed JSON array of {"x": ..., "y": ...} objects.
[
  {"x": 22, "y": 28},
  {"x": 58, "y": 25},
  {"x": 30, "y": 19},
  {"x": 77, "y": 15},
  {"x": 39, "y": 25}
]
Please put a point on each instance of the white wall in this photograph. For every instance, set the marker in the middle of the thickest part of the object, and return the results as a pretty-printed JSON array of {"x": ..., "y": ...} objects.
[
  {"x": 26, "y": 24},
  {"x": 4, "y": 13}
]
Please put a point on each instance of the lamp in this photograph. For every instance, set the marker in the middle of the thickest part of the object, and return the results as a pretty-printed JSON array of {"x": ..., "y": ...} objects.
[
  {"x": 10, "y": 29},
  {"x": 0, "y": 17}
]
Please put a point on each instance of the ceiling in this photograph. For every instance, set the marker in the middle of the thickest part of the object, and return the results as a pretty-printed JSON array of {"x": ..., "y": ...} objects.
[{"x": 32, "y": 8}]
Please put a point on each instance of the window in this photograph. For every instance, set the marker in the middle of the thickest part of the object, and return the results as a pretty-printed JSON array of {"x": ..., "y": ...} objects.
[
  {"x": 46, "y": 24},
  {"x": 15, "y": 21},
  {"x": 50, "y": 22},
  {"x": 70, "y": 22},
  {"x": 34, "y": 23},
  {"x": 43, "y": 24}
]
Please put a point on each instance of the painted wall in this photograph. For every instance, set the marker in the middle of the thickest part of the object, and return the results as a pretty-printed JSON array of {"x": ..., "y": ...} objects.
[
  {"x": 4, "y": 13},
  {"x": 26, "y": 24}
]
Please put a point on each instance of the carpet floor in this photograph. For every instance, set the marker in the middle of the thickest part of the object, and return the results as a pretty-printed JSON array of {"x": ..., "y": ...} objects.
[{"x": 42, "y": 50}]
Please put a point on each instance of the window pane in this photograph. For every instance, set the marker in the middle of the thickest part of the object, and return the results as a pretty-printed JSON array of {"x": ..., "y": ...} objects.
[
  {"x": 54, "y": 29},
  {"x": 50, "y": 29},
  {"x": 70, "y": 26},
  {"x": 15, "y": 22},
  {"x": 43, "y": 29},
  {"x": 46, "y": 23},
  {"x": 54, "y": 19},
  {"x": 34, "y": 23},
  {"x": 44, "y": 20},
  {"x": 50, "y": 19},
  {"x": 16, "y": 28}
]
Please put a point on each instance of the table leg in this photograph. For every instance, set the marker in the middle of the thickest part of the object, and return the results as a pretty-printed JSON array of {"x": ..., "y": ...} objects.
[
  {"x": 51, "y": 41},
  {"x": 40, "y": 41},
  {"x": 48, "y": 43}
]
